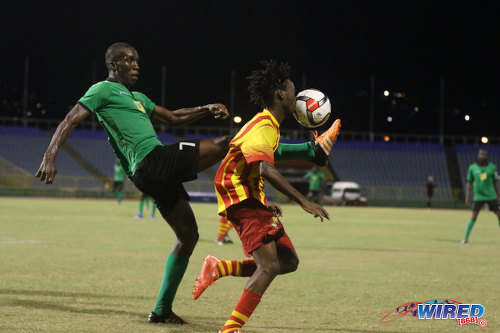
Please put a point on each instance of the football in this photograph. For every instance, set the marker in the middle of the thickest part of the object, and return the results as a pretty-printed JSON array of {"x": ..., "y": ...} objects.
[{"x": 312, "y": 108}]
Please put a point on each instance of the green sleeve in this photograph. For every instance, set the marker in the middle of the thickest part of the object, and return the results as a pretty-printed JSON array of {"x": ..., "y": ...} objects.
[
  {"x": 148, "y": 104},
  {"x": 96, "y": 97}
]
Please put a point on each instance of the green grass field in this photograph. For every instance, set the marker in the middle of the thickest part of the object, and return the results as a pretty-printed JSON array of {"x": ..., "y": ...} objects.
[{"x": 78, "y": 265}]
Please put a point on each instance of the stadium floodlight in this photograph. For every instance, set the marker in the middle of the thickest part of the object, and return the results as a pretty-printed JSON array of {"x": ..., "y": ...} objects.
[
  {"x": 389, "y": 119},
  {"x": 386, "y": 93},
  {"x": 484, "y": 139},
  {"x": 467, "y": 117},
  {"x": 237, "y": 119}
]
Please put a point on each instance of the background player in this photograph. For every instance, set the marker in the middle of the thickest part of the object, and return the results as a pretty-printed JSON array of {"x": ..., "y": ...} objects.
[
  {"x": 119, "y": 176},
  {"x": 315, "y": 178},
  {"x": 482, "y": 179},
  {"x": 239, "y": 186},
  {"x": 145, "y": 200},
  {"x": 224, "y": 227},
  {"x": 429, "y": 190}
]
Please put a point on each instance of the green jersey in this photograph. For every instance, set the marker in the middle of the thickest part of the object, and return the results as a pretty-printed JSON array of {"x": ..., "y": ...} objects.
[
  {"x": 314, "y": 180},
  {"x": 119, "y": 173},
  {"x": 125, "y": 117},
  {"x": 483, "y": 180}
]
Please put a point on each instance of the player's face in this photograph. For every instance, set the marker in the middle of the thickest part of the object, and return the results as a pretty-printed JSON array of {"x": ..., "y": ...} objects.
[
  {"x": 127, "y": 67},
  {"x": 482, "y": 156},
  {"x": 289, "y": 101}
]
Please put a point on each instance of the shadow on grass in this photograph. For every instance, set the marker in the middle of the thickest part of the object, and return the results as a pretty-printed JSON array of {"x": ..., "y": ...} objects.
[
  {"x": 196, "y": 324},
  {"x": 321, "y": 329},
  {"x": 64, "y": 294},
  {"x": 43, "y": 305},
  {"x": 366, "y": 249}
]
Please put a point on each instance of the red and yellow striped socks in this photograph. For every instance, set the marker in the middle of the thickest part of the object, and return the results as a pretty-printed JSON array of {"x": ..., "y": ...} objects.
[
  {"x": 236, "y": 268},
  {"x": 243, "y": 310},
  {"x": 224, "y": 227}
]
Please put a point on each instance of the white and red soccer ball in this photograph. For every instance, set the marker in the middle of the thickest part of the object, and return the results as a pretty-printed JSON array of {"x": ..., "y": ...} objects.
[{"x": 312, "y": 108}]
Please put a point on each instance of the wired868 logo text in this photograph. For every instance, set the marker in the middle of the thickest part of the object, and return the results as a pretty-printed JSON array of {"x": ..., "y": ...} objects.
[{"x": 439, "y": 309}]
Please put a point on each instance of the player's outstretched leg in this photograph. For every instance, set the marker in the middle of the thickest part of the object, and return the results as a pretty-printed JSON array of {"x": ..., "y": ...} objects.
[
  {"x": 182, "y": 221},
  {"x": 316, "y": 152},
  {"x": 328, "y": 138},
  {"x": 212, "y": 151},
  {"x": 213, "y": 269}
]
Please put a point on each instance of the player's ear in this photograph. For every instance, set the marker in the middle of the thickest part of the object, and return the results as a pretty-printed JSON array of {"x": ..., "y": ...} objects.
[
  {"x": 280, "y": 95},
  {"x": 112, "y": 65}
]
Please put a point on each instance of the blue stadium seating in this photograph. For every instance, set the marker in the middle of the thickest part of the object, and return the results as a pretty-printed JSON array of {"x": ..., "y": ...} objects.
[
  {"x": 25, "y": 146},
  {"x": 387, "y": 164}
]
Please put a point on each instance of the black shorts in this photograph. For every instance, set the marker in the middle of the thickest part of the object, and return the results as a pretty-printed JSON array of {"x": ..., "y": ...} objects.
[
  {"x": 492, "y": 205},
  {"x": 161, "y": 173},
  {"x": 117, "y": 186}
]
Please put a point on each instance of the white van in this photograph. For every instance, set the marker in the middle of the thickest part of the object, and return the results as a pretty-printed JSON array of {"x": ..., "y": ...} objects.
[{"x": 345, "y": 193}]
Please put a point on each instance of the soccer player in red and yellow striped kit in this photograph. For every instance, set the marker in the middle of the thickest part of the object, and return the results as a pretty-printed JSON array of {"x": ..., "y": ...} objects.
[{"x": 239, "y": 185}]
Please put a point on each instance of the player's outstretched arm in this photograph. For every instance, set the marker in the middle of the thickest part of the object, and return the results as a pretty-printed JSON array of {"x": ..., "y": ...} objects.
[
  {"x": 269, "y": 172},
  {"x": 48, "y": 169},
  {"x": 188, "y": 115}
]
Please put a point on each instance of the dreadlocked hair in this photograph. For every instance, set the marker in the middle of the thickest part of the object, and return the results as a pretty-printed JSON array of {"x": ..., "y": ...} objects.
[{"x": 264, "y": 82}]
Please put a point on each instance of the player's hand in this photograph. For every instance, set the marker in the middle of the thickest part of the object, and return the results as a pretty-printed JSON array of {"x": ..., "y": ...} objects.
[
  {"x": 218, "y": 110},
  {"x": 315, "y": 210},
  {"x": 47, "y": 170},
  {"x": 275, "y": 208}
]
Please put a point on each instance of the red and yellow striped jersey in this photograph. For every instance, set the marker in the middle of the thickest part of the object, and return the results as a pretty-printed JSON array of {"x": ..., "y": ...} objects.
[{"x": 238, "y": 177}]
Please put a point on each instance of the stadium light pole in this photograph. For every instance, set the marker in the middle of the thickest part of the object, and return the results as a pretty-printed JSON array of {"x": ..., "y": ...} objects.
[
  {"x": 232, "y": 94},
  {"x": 163, "y": 85},
  {"x": 25, "y": 90},
  {"x": 441, "y": 111},
  {"x": 372, "y": 107}
]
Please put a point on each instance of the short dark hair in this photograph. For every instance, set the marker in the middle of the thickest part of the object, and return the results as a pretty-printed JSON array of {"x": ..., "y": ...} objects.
[
  {"x": 113, "y": 51},
  {"x": 264, "y": 82}
]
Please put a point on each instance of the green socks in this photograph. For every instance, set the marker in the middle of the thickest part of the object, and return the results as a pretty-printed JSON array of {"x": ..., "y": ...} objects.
[
  {"x": 141, "y": 206},
  {"x": 119, "y": 196},
  {"x": 175, "y": 268},
  {"x": 470, "y": 225},
  {"x": 295, "y": 152}
]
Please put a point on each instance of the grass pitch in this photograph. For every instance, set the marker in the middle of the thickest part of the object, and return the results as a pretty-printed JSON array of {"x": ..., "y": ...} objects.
[{"x": 78, "y": 265}]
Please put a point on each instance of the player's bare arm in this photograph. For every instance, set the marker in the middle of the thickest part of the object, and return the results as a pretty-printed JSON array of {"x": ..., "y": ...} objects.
[
  {"x": 272, "y": 175},
  {"x": 468, "y": 191},
  {"x": 188, "y": 115},
  {"x": 497, "y": 189},
  {"x": 48, "y": 169}
]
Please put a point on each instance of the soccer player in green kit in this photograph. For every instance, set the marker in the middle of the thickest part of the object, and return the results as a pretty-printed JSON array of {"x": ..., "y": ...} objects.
[
  {"x": 118, "y": 178},
  {"x": 482, "y": 179},
  {"x": 315, "y": 176},
  {"x": 157, "y": 170}
]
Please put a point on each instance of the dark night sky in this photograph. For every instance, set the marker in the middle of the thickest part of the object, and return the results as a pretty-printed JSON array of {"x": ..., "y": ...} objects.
[{"x": 407, "y": 46}]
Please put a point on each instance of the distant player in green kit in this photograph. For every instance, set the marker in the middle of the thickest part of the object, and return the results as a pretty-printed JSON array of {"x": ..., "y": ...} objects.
[
  {"x": 156, "y": 170},
  {"x": 315, "y": 177},
  {"x": 482, "y": 179},
  {"x": 118, "y": 179}
]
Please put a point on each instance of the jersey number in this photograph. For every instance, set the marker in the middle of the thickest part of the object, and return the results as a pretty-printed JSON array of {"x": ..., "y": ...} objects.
[{"x": 182, "y": 144}]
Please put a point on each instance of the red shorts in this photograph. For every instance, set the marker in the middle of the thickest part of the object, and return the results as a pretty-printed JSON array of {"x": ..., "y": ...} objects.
[{"x": 256, "y": 226}]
